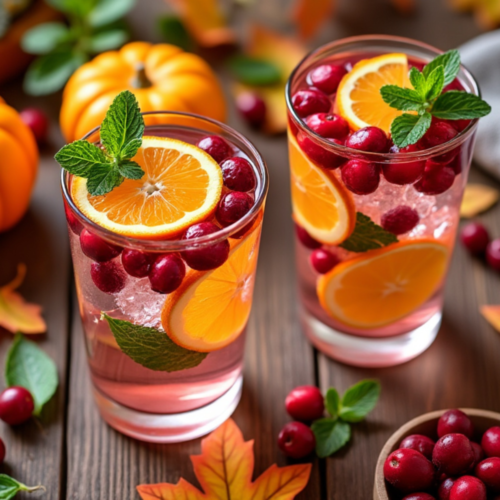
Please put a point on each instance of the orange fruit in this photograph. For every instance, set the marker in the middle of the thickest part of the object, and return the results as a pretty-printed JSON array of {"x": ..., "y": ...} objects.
[
  {"x": 383, "y": 285},
  {"x": 358, "y": 95},
  {"x": 181, "y": 186},
  {"x": 321, "y": 204}
]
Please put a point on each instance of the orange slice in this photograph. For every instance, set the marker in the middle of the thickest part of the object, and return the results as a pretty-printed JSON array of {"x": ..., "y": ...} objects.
[
  {"x": 211, "y": 309},
  {"x": 181, "y": 186},
  {"x": 321, "y": 204},
  {"x": 358, "y": 96},
  {"x": 383, "y": 285}
]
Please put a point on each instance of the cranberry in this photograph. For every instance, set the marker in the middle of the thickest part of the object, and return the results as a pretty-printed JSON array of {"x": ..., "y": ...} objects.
[
  {"x": 454, "y": 85},
  {"x": 108, "y": 276},
  {"x": 328, "y": 125},
  {"x": 167, "y": 273},
  {"x": 238, "y": 174},
  {"x": 2, "y": 451},
  {"x": 456, "y": 165},
  {"x": 460, "y": 125},
  {"x": 453, "y": 454},
  {"x": 436, "y": 179},
  {"x": 216, "y": 147},
  {"x": 327, "y": 77},
  {"x": 440, "y": 132},
  {"x": 74, "y": 224},
  {"x": 478, "y": 453},
  {"x": 136, "y": 263},
  {"x": 319, "y": 154},
  {"x": 491, "y": 442},
  {"x": 305, "y": 403},
  {"x": 96, "y": 248},
  {"x": 252, "y": 108},
  {"x": 370, "y": 139},
  {"x": 296, "y": 440},
  {"x": 305, "y": 238},
  {"x": 408, "y": 470},
  {"x": 37, "y": 121},
  {"x": 445, "y": 488},
  {"x": 208, "y": 257},
  {"x": 233, "y": 206},
  {"x": 420, "y": 443},
  {"x": 323, "y": 260},
  {"x": 400, "y": 220},
  {"x": 488, "y": 471},
  {"x": 493, "y": 254},
  {"x": 475, "y": 237},
  {"x": 16, "y": 405},
  {"x": 361, "y": 177},
  {"x": 468, "y": 488},
  {"x": 308, "y": 102},
  {"x": 404, "y": 173},
  {"x": 455, "y": 422},
  {"x": 419, "y": 496}
]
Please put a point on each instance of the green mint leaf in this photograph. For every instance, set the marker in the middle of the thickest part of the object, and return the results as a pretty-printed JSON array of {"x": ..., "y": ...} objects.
[
  {"x": 130, "y": 149},
  {"x": 332, "y": 402},
  {"x": 359, "y": 400},
  {"x": 44, "y": 38},
  {"x": 403, "y": 99},
  {"x": 408, "y": 129},
  {"x": 130, "y": 169},
  {"x": 450, "y": 62},
  {"x": 331, "y": 435},
  {"x": 174, "y": 32},
  {"x": 107, "y": 40},
  {"x": 10, "y": 487},
  {"x": 459, "y": 105},
  {"x": 434, "y": 83},
  {"x": 151, "y": 348},
  {"x": 29, "y": 367},
  {"x": 367, "y": 236},
  {"x": 103, "y": 178},
  {"x": 109, "y": 11},
  {"x": 252, "y": 71},
  {"x": 79, "y": 157},
  {"x": 418, "y": 81}
]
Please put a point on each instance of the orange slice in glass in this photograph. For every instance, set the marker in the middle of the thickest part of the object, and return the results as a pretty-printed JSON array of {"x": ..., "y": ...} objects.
[
  {"x": 181, "y": 186},
  {"x": 383, "y": 285}
]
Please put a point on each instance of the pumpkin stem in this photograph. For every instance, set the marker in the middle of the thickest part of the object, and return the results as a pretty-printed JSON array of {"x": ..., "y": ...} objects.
[{"x": 140, "y": 80}]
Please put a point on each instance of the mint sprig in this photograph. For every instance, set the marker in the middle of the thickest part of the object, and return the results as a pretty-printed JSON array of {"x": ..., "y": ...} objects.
[
  {"x": 121, "y": 136},
  {"x": 10, "y": 487},
  {"x": 427, "y": 100}
]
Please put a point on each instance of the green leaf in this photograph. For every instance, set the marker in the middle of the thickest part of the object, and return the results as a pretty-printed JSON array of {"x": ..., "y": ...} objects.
[
  {"x": 9, "y": 487},
  {"x": 29, "y": 367},
  {"x": 108, "y": 11},
  {"x": 174, "y": 32},
  {"x": 44, "y": 38},
  {"x": 408, "y": 129},
  {"x": 367, "y": 236},
  {"x": 459, "y": 105},
  {"x": 332, "y": 402},
  {"x": 103, "y": 178},
  {"x": 253, "y": 71},
  {"x": 331, "y": 435},
  {"x": 107, "y": 40},
  {"x": 434, "y": 83},
  {"x": 450, "y": 62},
  {"x": 359, "y": 400},
  {"x": 417, "y": 79},
  {"x": 151, "y": 348},
  {"x": 79, "y": 157},
  {"x": 130, "y": 169},
  {"x": 403, "y": 99}
]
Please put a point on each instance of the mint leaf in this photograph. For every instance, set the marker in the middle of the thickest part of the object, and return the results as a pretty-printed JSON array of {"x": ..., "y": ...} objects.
[
  {"x": 109, "y": 11},
  {"x": 359, "y": 400},
  {"x": 331, "y": 435},
  {"x": 79, "y": 157},
  {"x": 403, "y": 99},
  {"x": 332, "y": 402},
  {"x": 130, "y": 169},
  {"x": 434, "y": 83},
  {"x": 450, "y": 62},
  {"x": 252, "y": 71},
  {"x": 367, "y": 236},
  {"x": 417, "y": 79},
  {"x": 107, "y": 40},
  {"x": 10, "y": 487},
  {"x": 151, "y": 348},
  {"x": 173, "y": 31},
  {"x": 408, "y": 129},
  {"x": 44, "y": 38},
  {"x": 103, "y": 178},
  {"x": 29, "y": 367},
  {"x": 459, "y": 105}
]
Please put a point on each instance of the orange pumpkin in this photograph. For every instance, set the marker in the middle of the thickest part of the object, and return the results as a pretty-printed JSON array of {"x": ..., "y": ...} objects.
[
  {"x": 18, "y": 166},
  {"x": 162, "y": 77}
]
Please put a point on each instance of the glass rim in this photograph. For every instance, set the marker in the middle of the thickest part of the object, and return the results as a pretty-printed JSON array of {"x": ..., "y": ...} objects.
[
  {"x": 345, "y": 151},
  {"x": 176, "y": 245}
]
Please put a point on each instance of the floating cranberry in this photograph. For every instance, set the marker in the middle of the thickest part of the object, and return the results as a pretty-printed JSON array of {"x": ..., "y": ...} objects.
[
  {"x": 400, "y": 220},
  {"x": 308, "y": 102},
  {"x": 296, "y": 440},
  {"x": 2, "y": 451},
  {"x": 460, "y": 125},
  {"x": 453, "y": 454},
  {"x": 74, "y": 224},
  {"x": 478, "y": 453},
  {"x": 493, "y": 255},
  {"x": 96, "y": 248},
  {"x": 216, "y": 147},
  {"x": 108, "y": 276},
  {"x": 327, "y": 77},
  {"x": 440, "y": 132},
  {"x": 468, "y": 488},
  {"x": 323, "y": 260},
  {"x": 137, "y": 263},
  {"x": 208, "y": 257},
  {"x": 305, "y": 238},
  {"x": 488, "y": 471},
  {"x": 319, "y": 154},
  {"x": 233, "y": 206},
  {"x": 475, "y": 237},
  {"x": 37, "y": 121},
  {"x": 491, "y": 440},
  {"x": 419, "y": 496},
  {"x": 369, "y": 139},
  {"x": 238, "y": 174},
  {"x": 16, "y": 405},
  {"x": 437, "y": 179},
  {"x": 445, "y": 488},
  {"x": 404, "y": 173},
  {"x": 252, "y": 108},
  {"x": 328, "y": 125},
  {"x": 420, "y": 443},
  {"x": 167, "y": 273},
  {"x": 305, "y": 403},
  {"x": 361, "y": 177},
  {"x": 455, "y": 422}
]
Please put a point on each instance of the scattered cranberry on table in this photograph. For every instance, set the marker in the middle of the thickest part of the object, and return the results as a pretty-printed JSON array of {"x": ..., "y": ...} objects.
[
  {"x": 420, "y": 443},
  {"x": 16, "y": 405},
  {"x": 296, "y": 440},
  {"x": 305, "y": 403},
  {"x": 328, "y": 125},
  {"x": 137, "y": 263},
  {"x": 488, "y": 471},
  {"x": 216, "y": 147},
  {"x": 2, "y": 451},
  {"x": 167, "y": 273},
  {"x": 455, "y": 421},
  {"x": 323, "y": 260},
  {"x": 252, "y": 108},
  {"x": 309, "y": 102},
  {"x": 475, "y": 237},
  {"x": 238, "y": 174},
  {"x": 232, "y": 207},
  {"x": 400, "y": 220},
  {"x": 468, "y": 488},
  {"x": 96, "y": 248},
  {"x": 361, "y": 177},
  {"x": 37, "y": 121},
  {"x": 108, "y": 277},
  {"x": 493, "y": 254},
  {"x": 491, "y": 442},
  {"x": 327, "y": 77},
  {"x": 305, "y": 238},
  {"x": 369, "y": 139}
]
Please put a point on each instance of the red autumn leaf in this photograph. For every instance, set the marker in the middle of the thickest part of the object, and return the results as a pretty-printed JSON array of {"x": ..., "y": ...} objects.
[
  {"x": 224, "y": 470},
  {"x": 309, "y": 15},
  {"x": 492, "y": 315}
]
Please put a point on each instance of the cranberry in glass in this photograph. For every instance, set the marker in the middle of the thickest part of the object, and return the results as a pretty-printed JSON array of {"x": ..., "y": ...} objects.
[
  {"x": 369, "y": 139},
  {"x": 74, "y": 224},
  {"x": 96, "y": 248},
  {"x": 361, "y": 177},
  {"x": 419, "y": 496},
  {"x": 488, "y": 471},
  {"x": 323, "y": 260},
  {"x": 437, "y": 179},
  {"x": 491, "y": 442},
  {"x": 305, "y": 403},
  {"x": 109, "y": 277},
  {"x": 252, "y": 108},
  {"x": 420, "y": 443},
  {"x": 167, "y": 273},
  {"x": 208, "y": 257},
  {"x": 308, "y": 102},
  {"x": 400, "y": 220},
  {"x": 327, "y": 77},
  {"x": 137, "y": 263},
  {"x": 232, "y": 207},
  {"x": 493, "y": 254},
  {"x": 216, "y": 147},
  {"x": 319, "y": 154},
  {"x": 2, "y": 451},
  {"x": 328, "y": 125},
  {"x": 238, "y": 174},
  {"x": 305, "y": 238},
  {"x": 455, "y": 422},
  {"x": 468, "y": 488},
  {"x": 296, "y": 440},
  {"x": 453, "y": 454},
  {"x": 37, "y": 121},
  {"x": 440, "y": 132},
  {"x": 16, "y": 405},
  {"x": 404, "y": 173},
  {"x": 445, "y": 488}
]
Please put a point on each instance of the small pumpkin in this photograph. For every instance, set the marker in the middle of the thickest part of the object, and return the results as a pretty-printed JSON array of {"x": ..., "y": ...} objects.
[
  {"x": 163, "y": 78},
  {"x": 18, "y": 166}
]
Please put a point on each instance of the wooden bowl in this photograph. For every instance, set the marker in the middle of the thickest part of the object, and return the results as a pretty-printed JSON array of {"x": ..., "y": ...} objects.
[{"x": 426, "y": 425}]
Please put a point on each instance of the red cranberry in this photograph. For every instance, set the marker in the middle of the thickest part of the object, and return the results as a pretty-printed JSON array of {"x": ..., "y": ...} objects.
[
  {"x": 16, "y": 405},
  {"x": 2, "y": 451},
  {"x": 37, "y": 121},
  {"x": 305, "y": 238},
  {"x": 468, "y": 488},
  {"x": 320, "y": 155},
  {"x": 488, "y": 471},
  {"x": 445, "y": 488},
  {"x": 408, "y": 470},
  {"x": 370, "y": 139},
  {"x": 96, "y": 248},
  {"x": 74, "y": 224},
  {"x": 419, "y": 496},
  {"x": 167, "y": 273},
  {"x": 440, "y": 132},
  {"x": 233, "y": 206},
  {"x": 400, "y": 220},
  {"x": 420, "y": 443},
  {"x": 361, "y": 177},
  {"x": 455, "y": 422},
  {"x": 460, "y": 125},
  {"x": 493, "y": 255},
  {"x": 475, "y": 237},
  {"x": 404, "y": 173},
  {"x": 136, "y": 263},
  {"x": 209, "y": 257},
  {"x": 252, "y": 108},
  {"x": 328, "y": 125},
  {"x": 308, "y": 102},
  {"x": 453, "y": 454},
  {"x": 454, "y": 85},
  {"x": 305, "y": 403},
  {"x": 238, "y": 174},
  {"x": 323, "y": 260},
  {"x": 108, "y": 276},
  {"x": 216, "y": 147},
  {"x": 491, "y": 441},
  {"x": 456, "y": 164},
  {"x": 327, "y": 77},
  {"x": 436, "y": 179},
  {"x": 296, "y": 440},
  {"x": 478, "y": 453}
]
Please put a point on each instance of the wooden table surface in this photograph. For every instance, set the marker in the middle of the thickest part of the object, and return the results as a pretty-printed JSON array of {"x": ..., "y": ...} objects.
[{"x": 77, "y": 456}]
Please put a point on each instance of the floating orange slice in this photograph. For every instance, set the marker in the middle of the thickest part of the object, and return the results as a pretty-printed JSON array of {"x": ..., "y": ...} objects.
[
  {"x": 383, "y": 285},
  {"x": 321, "y": 204},
  {"x": 358, "y": 96},
  {"x": 181, "y": 186}
]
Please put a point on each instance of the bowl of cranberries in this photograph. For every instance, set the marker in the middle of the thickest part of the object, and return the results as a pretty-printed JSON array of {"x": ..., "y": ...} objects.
[{"x": 443, "y": 455}]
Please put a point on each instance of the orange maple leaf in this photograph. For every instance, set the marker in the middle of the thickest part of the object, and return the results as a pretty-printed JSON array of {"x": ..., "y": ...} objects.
[
  {"x": 477, "y": 199},
  {"x": 224, "y": 470},
  {"x": 309, "y": 16}
]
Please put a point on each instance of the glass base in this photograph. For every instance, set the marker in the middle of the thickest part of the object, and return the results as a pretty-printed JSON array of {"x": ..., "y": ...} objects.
[
  {"x": 370, "y": 352},
  {"x": 171, "y": 428}
]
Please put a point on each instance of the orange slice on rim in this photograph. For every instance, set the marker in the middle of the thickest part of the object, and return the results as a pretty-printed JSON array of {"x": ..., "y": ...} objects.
[{"x": 181, "y": 186}]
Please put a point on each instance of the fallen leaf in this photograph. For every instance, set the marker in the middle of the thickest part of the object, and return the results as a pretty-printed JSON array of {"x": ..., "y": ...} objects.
[
  {"x": 492, "y": 315},
  {"x": 17, "y": 315},
  {"x": 404, "y": 6},
  {"x": 477, "y": 198},
  {"x": 487, "y": 12},
  {"x": 224, "y": 470},
  {"x": 309, "y": 16}
]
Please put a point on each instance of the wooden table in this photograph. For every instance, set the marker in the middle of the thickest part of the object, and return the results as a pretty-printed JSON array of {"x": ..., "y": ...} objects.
[{"x": 76, "y": 456}]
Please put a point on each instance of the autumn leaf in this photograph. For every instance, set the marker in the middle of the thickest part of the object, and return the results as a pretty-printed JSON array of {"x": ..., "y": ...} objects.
[
  {"x": 487, "y": 12},
  {"x": 17, "y": 315},
  {"x": 224, "y": 470},
  {"x": 492, "y": 315},
  {"x": 477, "y": 198},
  {"x": 309, "y": 16}
]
